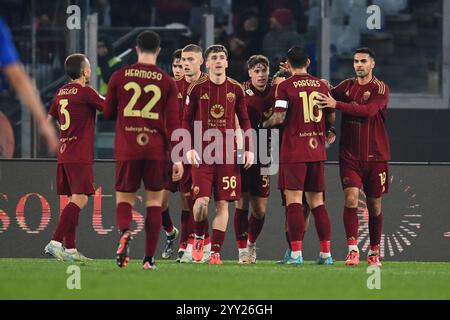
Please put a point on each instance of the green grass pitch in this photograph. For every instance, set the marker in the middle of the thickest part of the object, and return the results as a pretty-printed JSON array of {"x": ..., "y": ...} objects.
[{"x": 102, "y": 279}]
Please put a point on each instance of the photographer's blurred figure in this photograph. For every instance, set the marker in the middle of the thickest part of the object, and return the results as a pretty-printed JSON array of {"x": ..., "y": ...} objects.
[{"x": 108, "y": 63}]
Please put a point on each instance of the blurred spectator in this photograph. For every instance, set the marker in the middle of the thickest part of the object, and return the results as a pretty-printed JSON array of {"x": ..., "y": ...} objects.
[
  {"x": 138, "y": 13},
  {"x": 172, "y": 11},
  {"x": 281, "y": 37},
  {"x": 297, "y": 8},
  {"x": 108, "y": 63}
]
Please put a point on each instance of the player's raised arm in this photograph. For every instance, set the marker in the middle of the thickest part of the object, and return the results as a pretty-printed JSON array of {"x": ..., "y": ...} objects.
[
  {"x": 110, "y": 105},
  {"x": 280, "y": 109},
  {"x": 95, "y": 100},
  {"x": 338, "y": 92},
  {"x": 377, "y": 101}
]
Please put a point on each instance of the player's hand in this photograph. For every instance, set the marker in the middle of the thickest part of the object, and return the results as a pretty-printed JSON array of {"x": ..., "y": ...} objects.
[
  {"x": 193, "y": 158},
  {"x": 49, "y": 133},
  {"x": 326, "y": 101},
  {"x": 331, "y": 137},
  {"x": 284, "y": 65},
  {"x": 249, "y": 157},
  {"x": 177, "y": 171}
]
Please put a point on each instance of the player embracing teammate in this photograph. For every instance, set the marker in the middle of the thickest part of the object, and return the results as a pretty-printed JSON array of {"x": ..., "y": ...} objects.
[
  {"x": 364, "y": 149},
  {"x": 302, "y": 153}
]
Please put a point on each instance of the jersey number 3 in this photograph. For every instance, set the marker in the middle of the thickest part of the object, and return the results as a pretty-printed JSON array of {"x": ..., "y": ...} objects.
[
  {"x": 64, "y": 103},
  {"x": 146, "y": 111}
]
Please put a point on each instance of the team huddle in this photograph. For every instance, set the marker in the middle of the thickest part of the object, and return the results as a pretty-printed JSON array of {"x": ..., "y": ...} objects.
[{"x": 153, "y": 112}]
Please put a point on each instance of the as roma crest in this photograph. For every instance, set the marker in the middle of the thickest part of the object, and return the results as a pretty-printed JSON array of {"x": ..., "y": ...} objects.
[
  {"x": 366, "y": 95},
  {"x": 231, "y": 96}
]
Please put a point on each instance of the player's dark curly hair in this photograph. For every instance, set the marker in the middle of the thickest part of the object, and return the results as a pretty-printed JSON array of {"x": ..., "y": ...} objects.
[
  {"x": 282, "y": 73},
  {"x": 366, "y": 50},
  {"x": 215, "y": 48},
  {"x": 176, "y": 55},
  {"x": 297, "y": 57},
  {"x": 148, "y": 41}
]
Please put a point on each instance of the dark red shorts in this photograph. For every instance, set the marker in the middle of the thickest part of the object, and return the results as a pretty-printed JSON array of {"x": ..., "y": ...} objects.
[
  {"x": 74, "y": 178},
  {"x": 185, "y": 184},
  {"x": 129, "y": 174},
  {"x": 223, "y": 179},
  {"x": 372, "y": 176},
  {"x": 254, "y": 182},
  {"x": 168, "y": 182},
  {"x": 306, "y": 176}
]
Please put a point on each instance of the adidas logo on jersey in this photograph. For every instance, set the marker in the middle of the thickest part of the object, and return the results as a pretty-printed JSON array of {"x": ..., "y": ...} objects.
[
  {"x": 204, "y": 97},
  {"x": 233, "y": 194},
  {"x": 180, "y": 96},
  {"x": 249, "y": 92}
]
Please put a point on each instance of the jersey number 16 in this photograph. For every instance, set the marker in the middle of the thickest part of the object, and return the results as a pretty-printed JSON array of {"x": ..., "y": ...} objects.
[{"x": 308, "y": 106}]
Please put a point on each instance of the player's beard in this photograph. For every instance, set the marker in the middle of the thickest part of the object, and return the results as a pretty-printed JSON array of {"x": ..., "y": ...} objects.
[{"x": 362, "y": 74}]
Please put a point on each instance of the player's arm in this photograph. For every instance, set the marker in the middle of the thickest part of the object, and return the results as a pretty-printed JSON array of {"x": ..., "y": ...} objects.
[
  {"x": 279, "y": 112},
  {"x": 13, "y": 70},
  {"x": 377, "y": 101},
  {"x": 190, "y": 108},
  {"x": 330, "y": 119},
  {"x": 53, "y": 113},
  {"x": 29, "y": 97},
  {"x": 338, "y": 92},
  {"x": 95, "y": 100},
  {"x": 239, "y": 137},
  {"x": 172, "y": 116},
  {"x": 244, "y": 122},
  {"x": 111, "y": 102}
]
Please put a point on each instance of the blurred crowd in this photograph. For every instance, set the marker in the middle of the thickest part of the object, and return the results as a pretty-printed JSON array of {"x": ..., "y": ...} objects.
[{"x": 246, "y": 27}]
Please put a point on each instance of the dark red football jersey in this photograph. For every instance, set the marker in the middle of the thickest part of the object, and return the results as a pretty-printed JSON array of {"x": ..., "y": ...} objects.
[
  {"x": 143, "y": 98},
  {"x": 74, "y": 106},
  {"x": 364, "y": 108},
  {"x": 183, "y": 86},
  {"x": 259, "y": 104},
  {"x": 304, "y": 133},
  {"x": 216, "y": 106}
]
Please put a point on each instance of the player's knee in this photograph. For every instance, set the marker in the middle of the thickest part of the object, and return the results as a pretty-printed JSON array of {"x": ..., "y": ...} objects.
[
  {"x": 259, "y": 213},
  {"x": 201, "y": 202},
  {"x": 351, "y": 201},
  {"x": 259, "y": 210},
  {"x": 164, "y": 205},
  {"x": 374, "y": 207},
  {"x": 242, "y": 204},
  {"x": 221, "y": 206},
  {"x": 80, "y": 200}
]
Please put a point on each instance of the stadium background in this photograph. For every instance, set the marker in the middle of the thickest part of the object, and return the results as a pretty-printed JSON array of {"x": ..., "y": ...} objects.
[{"x": 413, "y": 57}]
